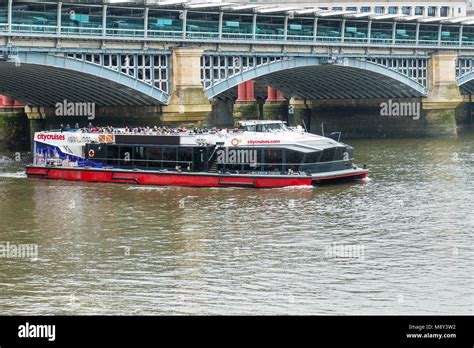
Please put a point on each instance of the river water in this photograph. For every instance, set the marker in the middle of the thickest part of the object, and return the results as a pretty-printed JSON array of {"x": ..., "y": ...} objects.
[{"x": 400, "y": 243}]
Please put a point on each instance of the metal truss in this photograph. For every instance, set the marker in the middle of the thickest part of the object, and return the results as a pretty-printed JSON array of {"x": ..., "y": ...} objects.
[{"x": 220, "y": 72}]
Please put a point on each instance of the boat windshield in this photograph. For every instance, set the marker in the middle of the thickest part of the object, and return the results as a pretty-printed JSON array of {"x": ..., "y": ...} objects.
[{"x": 266, "y": 127}]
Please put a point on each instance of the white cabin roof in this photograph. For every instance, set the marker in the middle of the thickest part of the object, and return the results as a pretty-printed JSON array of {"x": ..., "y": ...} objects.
[{"x": 255, "y": 122}]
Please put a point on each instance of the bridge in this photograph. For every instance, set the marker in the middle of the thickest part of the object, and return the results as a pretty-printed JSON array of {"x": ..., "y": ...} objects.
[{"x": 194, "y": 62}]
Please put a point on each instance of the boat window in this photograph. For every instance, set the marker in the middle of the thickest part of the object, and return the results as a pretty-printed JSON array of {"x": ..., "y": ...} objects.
[
  {"x": 259, "y": 159},
  {"x": 154, "y": 157},
  {"x": 339, "y": 153},
  {"x": 169, "y": 157},
  {"x": 312, "y": 157},
  {"x": 350, "y": 151},
  {"x": 126, "y": 153},
  {"x": 271, "y": 127},
  {"x": 232, "y": 167},
  {"x": 266, "y": 127},
  {"x": 273, "y": 159},
  {"x": 293, "y": 159},
  {"x": 328, "y": 154},
  {"x": 112, "y": 155},
  {"x": 139, "y": 156},
  {"x": 185, "y": 154}
]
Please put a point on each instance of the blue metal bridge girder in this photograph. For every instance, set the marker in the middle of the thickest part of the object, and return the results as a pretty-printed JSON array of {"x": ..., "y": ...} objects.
[
  {"x": 299, "y": 62},
  {"x": 93, "y": 70}
]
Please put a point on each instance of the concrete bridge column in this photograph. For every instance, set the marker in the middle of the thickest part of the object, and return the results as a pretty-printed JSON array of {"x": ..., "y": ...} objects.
[
  {"x": 444, "y": 96},
  {"x": 36, "y": 120},
  {"x": 246, "y": 106},
  {"x": 222, "y": 114},
  {"x": 13, "y": 125},
  {"x": 276, "y": 105},
  {"x": 188, "y": 102}
]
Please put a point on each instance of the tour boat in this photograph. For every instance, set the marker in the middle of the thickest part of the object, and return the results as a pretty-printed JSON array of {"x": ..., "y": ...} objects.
[{"x": 257, "y": 154}]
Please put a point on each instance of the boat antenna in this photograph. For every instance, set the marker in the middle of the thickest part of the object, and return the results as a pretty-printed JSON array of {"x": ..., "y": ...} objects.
[
  {"x": 304, "y": 125},
  {"x": 322, "y": 128}
]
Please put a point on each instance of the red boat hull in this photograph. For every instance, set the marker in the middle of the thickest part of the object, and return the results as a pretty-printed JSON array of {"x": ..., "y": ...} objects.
[{"x": 178, "y": 179}]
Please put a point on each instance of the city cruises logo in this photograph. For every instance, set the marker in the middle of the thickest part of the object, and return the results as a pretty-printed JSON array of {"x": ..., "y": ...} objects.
[
  {"x": 264, "y": 141},
  {"x": 400, "y": 109},
  {"x": 43, "y": 136},
  {"x": 241, "y": 156},
  {"x": 67, "y": 108}
]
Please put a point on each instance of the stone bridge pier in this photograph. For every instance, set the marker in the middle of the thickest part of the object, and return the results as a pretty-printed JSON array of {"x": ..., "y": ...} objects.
[
  {"x": 188, "y": 102},
  {"x": 444, "y": 96}
]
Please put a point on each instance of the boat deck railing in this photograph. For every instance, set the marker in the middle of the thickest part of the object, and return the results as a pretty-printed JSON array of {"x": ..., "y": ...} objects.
[{"x": 172, "y": 132}]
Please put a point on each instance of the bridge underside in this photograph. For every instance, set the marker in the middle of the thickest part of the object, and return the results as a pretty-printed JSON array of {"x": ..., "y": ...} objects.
[
  {"x": 41, "y": 85},
  {"x": 329, "y": 82},
  {"x": 467, "y": 88}
]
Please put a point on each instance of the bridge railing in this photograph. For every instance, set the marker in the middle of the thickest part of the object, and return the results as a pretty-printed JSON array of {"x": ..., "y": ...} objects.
[
  {"x": 450, "y": 43},
  {"x": 201, "y": 35},
  {"x": 165, "y": 33},
  {"x": 121, "y": 32},
  {"x": 356, "y": 39},
  {"x": 410, "y": 42},
  {"x": 381, "y": 41},
  {"x": 244, "y": 37},
  {"x": 468, "y": 43},
  {"x": 34, "y": 28},
  {"x": 299, "y": 38},
  {"x": 237, "y": 36},
  {"x": 81, "y": 31},
  {"x": 183, "y": 23},
  {"x": 269, "y": 37},
  {"x": 328, "y": 39}
]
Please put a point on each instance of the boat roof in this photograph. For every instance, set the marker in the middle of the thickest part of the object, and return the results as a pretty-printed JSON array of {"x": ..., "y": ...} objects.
[
  {"x": 255, "y": 122},
  {"x": 300, "y": 148}
]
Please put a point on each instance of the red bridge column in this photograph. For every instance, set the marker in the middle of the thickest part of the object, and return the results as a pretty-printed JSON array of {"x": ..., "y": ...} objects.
[
  {"x": 246, "y": 107},
  {"x": 276, "y": 105},
  {"x": 272, "y": 93},
  {"x": 250, "y": 90},
  {"x": 9, "y": 103},
  {"x": 241, "y": 92},
  {"x": 280, "y": 96}
]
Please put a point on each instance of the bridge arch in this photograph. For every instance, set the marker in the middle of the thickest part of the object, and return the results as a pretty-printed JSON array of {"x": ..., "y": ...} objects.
[
  {"x": 43, "y": 79},
  {"x": 466, "y": 82},
  {"x": 322, "y": 78}
]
